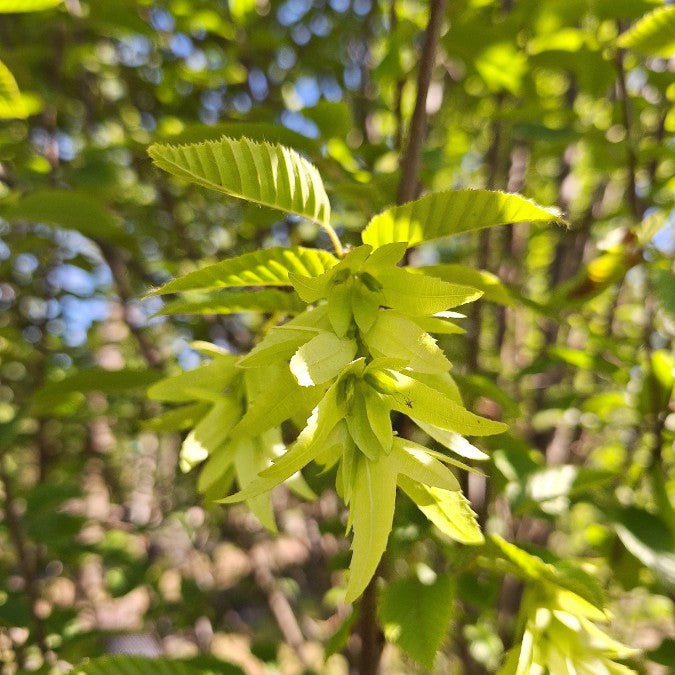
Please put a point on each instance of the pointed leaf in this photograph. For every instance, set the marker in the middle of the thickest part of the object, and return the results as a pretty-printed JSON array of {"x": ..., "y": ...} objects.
[
  {"x": 417, "y": 294},
  {"x": 211, "y": 432},
  {"x": 321, "y": 359},
  {"x": 379, "y": 418},
  {"x": 233, "y": 302},
  {"x": 448, "y": 510},
  {"x": 360, "y": 430},
  {"x": 308, "y": 445},
  {"x": 365, "y": 304},
  {"x": 448, "y": 213},
  {"x": 416, "y": 616},
  {"x": 395, "y": 336},
  {"x": 264, "y": 173},
  {"x": 268, "y": 267},
  {"x": 493, "y": 289},
  {"x": 372, "y": 506},
  {"x": 281, "y": 399},
  {"x": 413, "y": 461},
  {"x": 249, "y": 461},
  {"x": 283, "y": 341},
  {"x": 420, "y": 401},
  {"x": 452, "y": 441},
  {"x": 214, "y": 376},
  {"x": 340, "y": 307}
]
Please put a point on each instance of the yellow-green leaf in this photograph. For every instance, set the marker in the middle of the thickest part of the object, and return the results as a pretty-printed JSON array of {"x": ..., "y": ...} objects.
[
  {"x": 444, "y": 214},
  {"x": 264, "y": 173}
]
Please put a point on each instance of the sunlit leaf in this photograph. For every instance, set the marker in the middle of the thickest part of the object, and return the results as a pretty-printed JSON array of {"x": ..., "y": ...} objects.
[
  {"x": 266, "y": 174},
  {"x": 653, "y": 34},
  {"x": 372, "y": 505},
  {"x": 447, "y": 213},
  {"x": 268, "y": 267}
]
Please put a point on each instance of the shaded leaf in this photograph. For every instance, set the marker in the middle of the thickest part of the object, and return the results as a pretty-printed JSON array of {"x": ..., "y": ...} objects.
[{"x": 416, "y": 616}]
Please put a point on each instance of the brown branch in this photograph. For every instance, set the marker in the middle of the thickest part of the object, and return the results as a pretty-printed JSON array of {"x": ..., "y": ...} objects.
[{"x": 411, "y": 163}]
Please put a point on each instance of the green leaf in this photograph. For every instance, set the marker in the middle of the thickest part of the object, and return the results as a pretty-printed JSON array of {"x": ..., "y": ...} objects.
[
  {"x": 417, "y": 294},
  {"x": 429, "y": 405},
  {"x": 307, "y": 446},
  {"x": 444, "y": 214},
  {"x": 493, "y": 289},
  {"x": 211, "y": 432},
  {"x": 72, "y": 211},
  {"x": 233, "y": 302},
  {"x": 249, "y": 461},
  {"x": 448, "y": 510},
  {"x": 16, "y": 6},
  {"x": 321, "y": 359},
  {"x": 394, "y": 336},
  {"x": 561, "y": 573},
  {"x": 379, "y": 418},
  {"x": 91, "y": 379},
  {"x": 217, "y": 473},
  {"x": 416, "y": 616},
  {"x": 360, "y": 430},
  {"x": 413, "y": 461},
  {"x": 283, "y": 341},
  {"x": 268, "y": 267},
  {"x": 653, "y": 34},
  {"x": 14, "y": 104},
  {"x": 137, "y": 665},
  {"x": 212, "y": 377},
  {"x": 372, "y": 506},
  {"x": 178, "y": 419},
  {"x": 340, "y": 307},
  {"x": 452, "y": 441},
  {"x": 650, "y": 540},
  {"x": 264, "y": 173},
  {"x": 280, "y": 400}
]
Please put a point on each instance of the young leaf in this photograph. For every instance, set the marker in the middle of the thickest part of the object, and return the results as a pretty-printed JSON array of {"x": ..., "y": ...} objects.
[
  {"x": 395, "y": 336},
  {"x": 233, "y": 302},
  {"x": 248, "y": 462},
  {"x": 321, "y": 359},
  {"x": 452, "y": 441},
  {"x": 217, "y": 473},
  {"x": 416, "y": 616},
  {"x": 360, "y": 430},
  {"x": 340, "y": 307},
  {"x": 372, "y": 506},
  {"x": 365, "y": 304},
  {"x": 282, "y": 342},
  {"x": 268, "y": 267},
  {"x": 212, "y": 430},
  {"x": 493, "y": 289},
  {"x": 653, "y": 34},
  {"x": 178, "y": 419},
  {"x": 264, "y": 173},
  {"x": 413, "y": 461},
  {"x": 419, "y": 295},
  {"x": 212, "y": 377},
  {"x": 281, "y": 399},
  {"x": 135, "y": 665},
  {"x": 379, "y": 418},
  {"x": 447, "y": 213},
  {"x": 448, "y": 510},
  {"x": 307, "y": 446},
  {"x": 418, "y": 400}
]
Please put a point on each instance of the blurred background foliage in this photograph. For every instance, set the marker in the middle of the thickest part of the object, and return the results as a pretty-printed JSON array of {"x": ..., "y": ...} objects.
[{"x": 104, "y": 545}]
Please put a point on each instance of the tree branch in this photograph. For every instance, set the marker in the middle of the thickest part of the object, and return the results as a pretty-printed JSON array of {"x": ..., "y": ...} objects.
[{"x": 408, "y": 187}]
